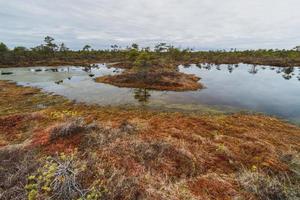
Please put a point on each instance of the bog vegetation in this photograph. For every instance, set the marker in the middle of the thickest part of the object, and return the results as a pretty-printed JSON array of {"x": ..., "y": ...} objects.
[
  {"x": 51, "y": 53},
  {"x": 65, "y": 150}
]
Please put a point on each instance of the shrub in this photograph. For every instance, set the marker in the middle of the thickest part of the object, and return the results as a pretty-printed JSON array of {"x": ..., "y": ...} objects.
[
  {"x": 132, "y": 54},
  {"x": 58, "y": 178},
  {"x": 68, "y": 129},
  {"x": 143, "y": 59},
  {"x": 267, "y": 187}
]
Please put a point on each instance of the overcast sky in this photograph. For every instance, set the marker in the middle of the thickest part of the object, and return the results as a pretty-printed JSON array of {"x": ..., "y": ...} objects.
[{"x": 200, "y": 24}]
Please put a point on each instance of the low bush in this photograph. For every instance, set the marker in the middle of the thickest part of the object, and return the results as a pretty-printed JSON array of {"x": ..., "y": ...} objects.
[
  {"x": 69, "y": 128},
  {"x": 267, "y": 187},
  {"x": 59, "y": 178}
]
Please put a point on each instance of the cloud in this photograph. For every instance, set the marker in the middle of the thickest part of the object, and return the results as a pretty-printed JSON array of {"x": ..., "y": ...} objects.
[{"x": 201, "y": 24}]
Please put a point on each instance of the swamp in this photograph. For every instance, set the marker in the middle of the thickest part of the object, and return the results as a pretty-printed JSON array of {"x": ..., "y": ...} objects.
[
  {"x": 149, "y": 127},
  {"x": 149, "y": 100}
]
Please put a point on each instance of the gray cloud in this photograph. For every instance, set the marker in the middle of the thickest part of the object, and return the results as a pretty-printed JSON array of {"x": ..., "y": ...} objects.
[{"x": 201, "y": 24}]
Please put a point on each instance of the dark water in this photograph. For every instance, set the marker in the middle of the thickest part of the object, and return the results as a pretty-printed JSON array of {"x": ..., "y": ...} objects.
[{"x": 228, "y": 88}]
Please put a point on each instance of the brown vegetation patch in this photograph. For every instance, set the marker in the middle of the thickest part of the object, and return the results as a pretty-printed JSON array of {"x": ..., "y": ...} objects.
[
  {"x": 212, "y": 186},
  {"x": 10, "y": 126},
  {"x": 174, "y": 81},
  {"x": 66, "y": 145},
  {"x": 15, "y": 166},
  {"x": 16, "y": 128},
  {"x": 269, "y": 187},
  {"x": 67, "y": 129},
  {"x": 166, "y": 159},
  {"x": 159, "y": 158},
  {"x": 61, "y": 137}
]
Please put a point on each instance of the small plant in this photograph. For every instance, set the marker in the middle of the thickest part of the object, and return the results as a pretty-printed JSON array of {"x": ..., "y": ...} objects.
[
  {"x": 58, "y": 178},
  {"x": 222, "y": 148},
  {"x": 63, "y": 114}
]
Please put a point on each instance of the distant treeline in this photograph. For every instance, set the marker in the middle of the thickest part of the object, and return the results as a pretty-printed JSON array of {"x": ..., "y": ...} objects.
[{"x": 50, "y": 53}]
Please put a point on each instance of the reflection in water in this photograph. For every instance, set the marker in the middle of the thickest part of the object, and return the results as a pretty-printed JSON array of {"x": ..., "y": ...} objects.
[
  {"x": 87, "y": 69},
  {"x": 253, "y": 70},
  {"x": 7, "y": 73},
  {"x": 58, "y": 82},
  {"x": 52, "y": 70},
  {"x": 287, "y": 72},
  {"x": 141, "y": 94},
  {"x": 230, "y": 68}
]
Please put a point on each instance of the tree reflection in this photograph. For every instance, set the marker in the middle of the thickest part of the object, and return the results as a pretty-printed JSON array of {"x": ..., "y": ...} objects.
[
  {"x": 59, "y": 82},
  {"x": 142, "y": 95},
  {"x": 87, "y": 68},
  {"x": 230, "y": 68},
  {"x": 253, "y": 69},
  {"x": 286, "y": 72},
  {"x": 199, "y": 65},
  {"x": 207, "y": 66}
]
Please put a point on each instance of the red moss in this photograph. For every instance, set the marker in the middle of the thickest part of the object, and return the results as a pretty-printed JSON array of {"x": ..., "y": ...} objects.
[
  {"x": 10, "y": 126},
  {"x": 212, "y": 188},
  {"x": 63, "y": 145},
  {"x": 43, "y": 140},
  {"x": 40, "y": 138}
]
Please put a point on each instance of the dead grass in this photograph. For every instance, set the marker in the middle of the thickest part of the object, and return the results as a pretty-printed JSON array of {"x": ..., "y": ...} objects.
[
  {"x": 14, "y": 169},
  {"x": 165, "y": 159},
  {"x": 214, "y": 186},
  {"x": 269, "y": 187},
  {"x": 101, "y": 135},
  {"x": 292, "y": 159}
]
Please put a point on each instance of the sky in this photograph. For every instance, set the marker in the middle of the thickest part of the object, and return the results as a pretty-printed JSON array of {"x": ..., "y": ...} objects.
[{"x": 198, "y": 24}]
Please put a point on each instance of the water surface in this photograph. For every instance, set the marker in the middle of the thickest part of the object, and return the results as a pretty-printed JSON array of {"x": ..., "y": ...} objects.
[{"x": 228, "y": 88}]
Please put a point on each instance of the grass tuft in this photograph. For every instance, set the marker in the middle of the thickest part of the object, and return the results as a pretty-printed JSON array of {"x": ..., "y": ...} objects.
[
  {"x": 267, "y": 187},
  {"x": 68, "y": 129}
]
